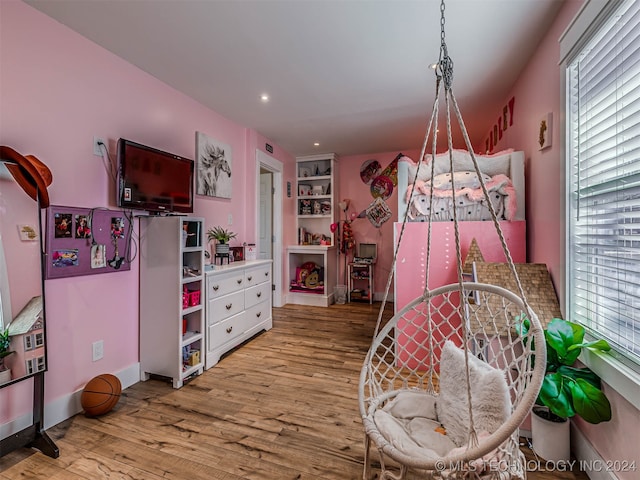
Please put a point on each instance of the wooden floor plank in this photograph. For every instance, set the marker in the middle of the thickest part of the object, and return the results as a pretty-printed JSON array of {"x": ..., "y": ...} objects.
[{"x": 282, "y": 406}]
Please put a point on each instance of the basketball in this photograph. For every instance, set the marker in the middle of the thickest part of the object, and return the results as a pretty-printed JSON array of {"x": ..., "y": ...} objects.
[{"x": 100, "y": 394}]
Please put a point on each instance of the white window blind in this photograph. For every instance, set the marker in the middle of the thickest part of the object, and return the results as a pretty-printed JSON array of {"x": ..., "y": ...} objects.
[{"x": 603, "y": 98}]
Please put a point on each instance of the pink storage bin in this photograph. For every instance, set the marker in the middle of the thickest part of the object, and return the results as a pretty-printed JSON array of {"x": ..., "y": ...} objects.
[
  {"x": 194, "y": 298},
  {"x": 185, "y": 299}
]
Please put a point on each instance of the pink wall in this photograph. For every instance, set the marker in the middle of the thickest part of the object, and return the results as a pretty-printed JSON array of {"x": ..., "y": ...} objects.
[
  {"x": 58, "y": 90},
  {"x": 537, "y": 92},
  {"x": 353, "y": 188}
]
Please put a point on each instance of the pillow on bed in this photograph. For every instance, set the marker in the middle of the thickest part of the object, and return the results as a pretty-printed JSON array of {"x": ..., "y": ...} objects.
[
  {"x": 461, "y": 179},
  {"x": 489, "y": 164},
  {"x": 490, "y": 399}
]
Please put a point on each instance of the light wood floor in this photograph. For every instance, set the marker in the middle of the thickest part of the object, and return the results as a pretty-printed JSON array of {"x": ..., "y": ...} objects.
[{"x": 283, "y": 406}]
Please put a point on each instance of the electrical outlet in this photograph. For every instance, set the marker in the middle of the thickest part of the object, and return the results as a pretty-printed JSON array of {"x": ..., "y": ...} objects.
[
  {"x": 98, "y": 350},
  {"x": 230, "y": 219},
  {"x": 97, "y": 148}
]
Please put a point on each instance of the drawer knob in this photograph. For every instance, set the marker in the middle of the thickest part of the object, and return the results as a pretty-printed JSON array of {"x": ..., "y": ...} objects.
[
  {"x": 239, "y": 281},
  {"x": 259, "y": 294},
  {"x": 249, "y": 278},
  {"x": 215, "y": 288},
  {"x": 228, "y": 306},
  {"x": 266, "y": 274},
  {"x": 229, "y": 329},
  {"x": 258, "y": 314}
]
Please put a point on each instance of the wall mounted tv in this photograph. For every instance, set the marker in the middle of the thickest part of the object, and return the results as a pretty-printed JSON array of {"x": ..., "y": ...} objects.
[{"x": 153, "y": 180}]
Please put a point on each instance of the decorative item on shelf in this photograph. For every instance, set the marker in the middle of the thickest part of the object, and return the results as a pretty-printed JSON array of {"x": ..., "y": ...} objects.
[
  {"x": 309, "y": 278},
  {"x": 304, "y": 172},
  {"x": 250, "y": 251},
  {"x": 194, "y": 358},
  {"x": 237, "y": 254},
  {"x": 325, "y": 207},
  {"x": 305, "y": 207},
  {"x": 222, "y": 236},
  {"x": 185, "y": 298},
  {"x": 187, "y": 236},
  {"x": 194, "y": 298},
  {"x": 317, "y": 190},
  {"x": 304, "y": 190}
]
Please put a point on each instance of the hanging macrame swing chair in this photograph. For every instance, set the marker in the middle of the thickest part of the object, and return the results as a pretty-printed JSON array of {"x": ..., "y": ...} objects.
[{"x": 449, "y": 378}]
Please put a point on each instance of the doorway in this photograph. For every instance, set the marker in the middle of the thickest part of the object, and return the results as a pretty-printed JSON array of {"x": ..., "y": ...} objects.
[{"x": 269, "y": 216}]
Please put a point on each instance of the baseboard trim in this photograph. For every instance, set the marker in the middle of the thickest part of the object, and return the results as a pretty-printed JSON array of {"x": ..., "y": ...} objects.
[
  {"x": 68, "y": 405},
  {"x": 589, "y": 460},
  {"x": 65, "y": 407}
]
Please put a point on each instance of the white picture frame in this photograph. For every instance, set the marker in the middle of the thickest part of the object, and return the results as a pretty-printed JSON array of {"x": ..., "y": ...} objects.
[{"x": 213, "y": 167}]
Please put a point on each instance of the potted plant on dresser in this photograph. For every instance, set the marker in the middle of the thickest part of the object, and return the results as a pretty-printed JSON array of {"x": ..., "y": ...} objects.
[
  {"x": 222, "y": 237},
  {"x": 5, "y": 343},
  {"x": 567, "y": 390}
]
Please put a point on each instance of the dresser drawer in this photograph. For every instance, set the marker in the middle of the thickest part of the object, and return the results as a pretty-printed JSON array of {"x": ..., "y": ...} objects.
[
  {"x": 256, "y": 275},
  {"x": 224, "y": 307},
  {"x": 225, "y": 283},
  {"x": 258, "y": 313},
  {"x": 225, "y": 331},
  {"x": 257, "y": 294}
]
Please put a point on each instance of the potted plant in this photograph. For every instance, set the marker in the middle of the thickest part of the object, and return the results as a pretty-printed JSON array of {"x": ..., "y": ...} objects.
[
  {"x": 222, "y": 236},
  {"x": 5, "y": 342},
  {"x": 567, "y": 390}
]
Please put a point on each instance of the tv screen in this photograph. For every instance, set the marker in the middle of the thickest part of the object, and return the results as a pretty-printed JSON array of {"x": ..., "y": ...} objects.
[{"x": 153, "y": 180}]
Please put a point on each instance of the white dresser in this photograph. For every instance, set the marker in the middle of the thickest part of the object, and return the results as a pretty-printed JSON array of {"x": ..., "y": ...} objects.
[{"x": 238, "y": 305}]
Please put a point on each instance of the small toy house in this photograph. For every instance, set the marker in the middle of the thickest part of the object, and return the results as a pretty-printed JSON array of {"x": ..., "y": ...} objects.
[{"x": 27, "y": 340}]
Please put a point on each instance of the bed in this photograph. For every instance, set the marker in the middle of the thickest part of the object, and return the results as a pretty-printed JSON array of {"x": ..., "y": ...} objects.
[{"x": 502, "y": 173}]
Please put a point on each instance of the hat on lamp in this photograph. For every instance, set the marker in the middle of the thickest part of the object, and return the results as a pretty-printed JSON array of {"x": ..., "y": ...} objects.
[{"x": 30, "y": 173}]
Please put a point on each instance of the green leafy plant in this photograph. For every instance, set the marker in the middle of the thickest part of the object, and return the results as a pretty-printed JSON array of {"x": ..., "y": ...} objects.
[
  {"x": 568, "y": 390},
  {"x": 5, "y": 343},
  {"x": 220, "y": 234}
]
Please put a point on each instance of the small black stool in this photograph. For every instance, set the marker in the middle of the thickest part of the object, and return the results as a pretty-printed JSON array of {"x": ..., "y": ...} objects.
[{"x": 222, "y": 257}]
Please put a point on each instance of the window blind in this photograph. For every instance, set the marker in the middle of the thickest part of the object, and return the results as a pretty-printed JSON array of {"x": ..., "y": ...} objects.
[{"x": 603, "y": 103}]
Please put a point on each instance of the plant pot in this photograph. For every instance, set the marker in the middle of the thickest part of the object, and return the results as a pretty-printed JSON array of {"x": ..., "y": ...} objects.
[
  {"x": 5, "y": 376},
  {"x": 222, "y": 249},
  {"x": 551, "y": 440}
]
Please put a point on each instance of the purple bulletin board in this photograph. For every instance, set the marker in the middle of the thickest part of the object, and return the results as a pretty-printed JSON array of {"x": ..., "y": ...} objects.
[{"x": 83, "y": 241}]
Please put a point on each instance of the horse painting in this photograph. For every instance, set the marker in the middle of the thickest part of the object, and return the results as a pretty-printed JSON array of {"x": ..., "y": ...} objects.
[{"x": 214, "y": 171}]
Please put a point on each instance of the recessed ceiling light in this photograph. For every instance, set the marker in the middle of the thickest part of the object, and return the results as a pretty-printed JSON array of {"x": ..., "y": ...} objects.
[
  {"x": 264, "y": 97},
  {"x": 316, "y": 144}
]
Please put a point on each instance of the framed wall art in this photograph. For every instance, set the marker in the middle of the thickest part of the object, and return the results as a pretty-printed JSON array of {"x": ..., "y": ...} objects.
[
  {"x": 213, "y": 167},
  {"x": 544, "y": 133}
]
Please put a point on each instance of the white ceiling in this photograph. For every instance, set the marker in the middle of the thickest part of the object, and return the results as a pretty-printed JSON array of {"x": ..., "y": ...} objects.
[{"x": 350, "y": 74}]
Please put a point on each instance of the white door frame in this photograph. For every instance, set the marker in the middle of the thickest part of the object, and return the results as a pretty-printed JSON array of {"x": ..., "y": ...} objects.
[{"x": 276, "y": 167}]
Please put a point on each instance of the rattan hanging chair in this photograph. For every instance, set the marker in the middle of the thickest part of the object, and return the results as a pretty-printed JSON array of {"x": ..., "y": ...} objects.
[{"x": 448, "y": 379}]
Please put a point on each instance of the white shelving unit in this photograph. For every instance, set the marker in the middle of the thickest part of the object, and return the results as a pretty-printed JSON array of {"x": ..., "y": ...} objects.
[
  {"x": 172, "y": 342},
  {"x": 316, "y": 198},
  {"x": 316, "y": 209},
  {"x": 308, "y": 294}
]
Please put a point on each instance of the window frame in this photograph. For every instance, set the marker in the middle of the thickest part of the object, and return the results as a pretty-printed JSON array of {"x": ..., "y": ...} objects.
[{"x": 618, "y": 371}]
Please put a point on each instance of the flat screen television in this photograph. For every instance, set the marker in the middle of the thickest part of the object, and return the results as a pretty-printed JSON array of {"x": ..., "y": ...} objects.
[{"x": 153, "y": 180}]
